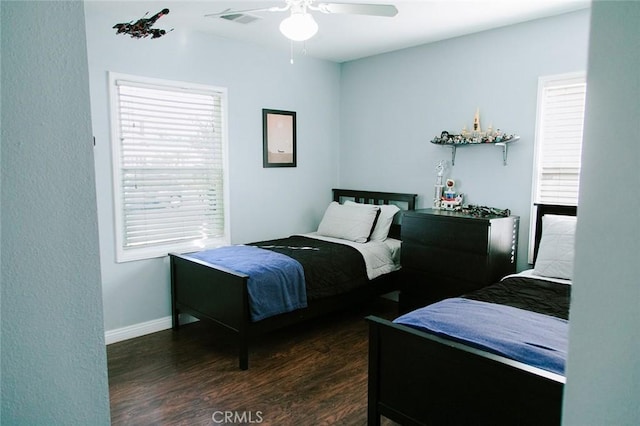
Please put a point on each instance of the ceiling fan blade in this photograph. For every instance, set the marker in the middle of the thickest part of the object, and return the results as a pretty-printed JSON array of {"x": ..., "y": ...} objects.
[
  {"x": 237, "y": 12},
  {"x": 359, "y": 9}
]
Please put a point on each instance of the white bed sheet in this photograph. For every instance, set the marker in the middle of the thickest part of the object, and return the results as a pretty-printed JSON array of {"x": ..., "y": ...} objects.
[
  {"x": 530, "y": 273},
  {"x": 380, "y": 257}
]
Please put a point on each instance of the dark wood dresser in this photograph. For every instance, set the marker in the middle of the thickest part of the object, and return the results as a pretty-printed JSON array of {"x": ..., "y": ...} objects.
[{"x": 446, "y": 254}]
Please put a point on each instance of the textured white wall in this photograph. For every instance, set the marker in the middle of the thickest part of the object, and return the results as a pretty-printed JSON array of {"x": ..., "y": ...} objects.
[
  {"x": 603, "y": 369},
  {"x": 53, "y": 354}
]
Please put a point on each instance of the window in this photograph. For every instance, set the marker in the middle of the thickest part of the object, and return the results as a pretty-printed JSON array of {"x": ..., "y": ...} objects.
[
  {"x": 559, "y": 139},
  {"x": 558, "y": 144},
  {"x": 169, "y": 166}
]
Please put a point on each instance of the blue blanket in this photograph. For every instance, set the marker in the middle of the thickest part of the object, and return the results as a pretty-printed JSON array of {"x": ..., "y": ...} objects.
[
  {"x": 535, "y": 339},
  {"x": 276, "y": 282}
]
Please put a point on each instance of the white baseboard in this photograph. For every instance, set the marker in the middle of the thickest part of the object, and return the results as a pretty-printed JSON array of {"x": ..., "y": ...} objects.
[
  {"x": 143, "y": 328},
  {"x": 137, "y": 330}
]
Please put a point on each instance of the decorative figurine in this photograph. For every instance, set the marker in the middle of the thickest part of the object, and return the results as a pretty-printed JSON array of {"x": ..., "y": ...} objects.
[
  {"x": 476, "y": 123},
  {"x": 451, "y": 200},
  {"x": 453, "y": 204},
  {"x": 142, "y": 27},
  {"x": 437, "y": 196},
  {"x": 490, "y": 129},
  {"x": 450, "y": 193}
]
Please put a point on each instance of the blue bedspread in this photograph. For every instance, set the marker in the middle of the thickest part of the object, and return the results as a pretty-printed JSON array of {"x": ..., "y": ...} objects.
[
  {"x": 276, "y": 282},
  {"x": 535, "y": 339}
]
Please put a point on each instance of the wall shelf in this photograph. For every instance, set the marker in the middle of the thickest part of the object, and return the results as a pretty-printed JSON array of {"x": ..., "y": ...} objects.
[{"x": 503, "y": 143}]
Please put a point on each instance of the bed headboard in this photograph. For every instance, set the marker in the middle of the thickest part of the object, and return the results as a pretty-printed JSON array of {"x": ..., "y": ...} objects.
[
  {"x": 402, "y": 200},
  {"x": 541, "y": 210}
]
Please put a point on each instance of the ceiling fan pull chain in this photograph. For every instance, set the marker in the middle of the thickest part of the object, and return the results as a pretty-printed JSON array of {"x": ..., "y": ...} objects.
[{"x": 291, "y": 51}]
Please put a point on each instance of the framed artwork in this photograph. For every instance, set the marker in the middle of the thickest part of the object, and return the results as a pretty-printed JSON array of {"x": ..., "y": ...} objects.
[{"x": 278, "y": 138}]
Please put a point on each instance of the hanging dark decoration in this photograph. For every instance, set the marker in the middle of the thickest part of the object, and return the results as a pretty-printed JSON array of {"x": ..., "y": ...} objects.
[{"x": 142, "y": 27}]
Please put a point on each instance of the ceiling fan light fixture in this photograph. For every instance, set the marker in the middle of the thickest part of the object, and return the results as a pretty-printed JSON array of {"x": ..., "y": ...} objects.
[{"x": 300, "y": 26}]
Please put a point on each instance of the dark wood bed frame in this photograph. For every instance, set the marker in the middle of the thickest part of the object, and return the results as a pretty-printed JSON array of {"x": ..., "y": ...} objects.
[
  {"x": 220, "y": 295},
  {"x": 416, "y": 378}
]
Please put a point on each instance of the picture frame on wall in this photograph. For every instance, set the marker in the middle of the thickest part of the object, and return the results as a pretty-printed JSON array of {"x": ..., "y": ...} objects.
[{"x": 279, "y": 138}]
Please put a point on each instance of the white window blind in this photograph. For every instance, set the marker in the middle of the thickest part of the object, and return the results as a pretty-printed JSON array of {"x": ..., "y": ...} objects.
[
  {"x": 561, "y": 103},
  {"x": 169, "y": 167},
  {"x": 558, "y": 143}
]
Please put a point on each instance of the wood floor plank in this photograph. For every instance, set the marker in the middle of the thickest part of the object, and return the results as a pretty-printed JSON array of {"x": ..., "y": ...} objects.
[{"x": 310, "y": 374}]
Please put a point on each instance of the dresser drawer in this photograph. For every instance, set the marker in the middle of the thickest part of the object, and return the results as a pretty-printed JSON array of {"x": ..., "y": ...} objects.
[
  {"x": 461, "y": 235},
  {"x": 437, "y": 286},
  {"x": 442, "y": 262}
]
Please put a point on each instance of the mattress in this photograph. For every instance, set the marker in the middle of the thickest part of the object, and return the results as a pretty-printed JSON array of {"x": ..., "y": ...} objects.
[{"x": 522, "y": 317}]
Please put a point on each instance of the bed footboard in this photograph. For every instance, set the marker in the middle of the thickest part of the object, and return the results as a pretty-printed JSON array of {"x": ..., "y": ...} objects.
[
  {"x": 214, "y": 293},
  {"x": 210, "y": 292},
  {"x": 416, "y": 378}
]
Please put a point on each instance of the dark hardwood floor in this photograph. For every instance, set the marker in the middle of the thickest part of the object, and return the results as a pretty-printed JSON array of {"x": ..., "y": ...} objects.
[{"x": 310, "y": 374}]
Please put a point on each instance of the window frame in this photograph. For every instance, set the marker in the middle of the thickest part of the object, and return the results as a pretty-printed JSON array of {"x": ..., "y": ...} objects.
[
  {"x": 544, "y": 82},
  {"x": 126, "y": 254}
]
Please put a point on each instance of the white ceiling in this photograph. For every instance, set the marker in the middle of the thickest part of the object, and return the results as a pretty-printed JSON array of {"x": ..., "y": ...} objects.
[{"x": 347, "y": 37}]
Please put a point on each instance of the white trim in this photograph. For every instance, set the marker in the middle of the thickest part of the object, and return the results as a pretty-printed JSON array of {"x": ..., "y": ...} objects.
[
  {"x": 139, "y": 253},
  {"x": 143, "y": 328}
]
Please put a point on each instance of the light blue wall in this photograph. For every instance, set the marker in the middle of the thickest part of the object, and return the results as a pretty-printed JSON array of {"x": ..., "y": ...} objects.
[
  {"x": 362, "y": 124},
  {"x": 265, "y": 203},
  {"x": 392, "y": 105},
  {"x": 603, "y": 369},
  {"x": 53, "y": 355}
]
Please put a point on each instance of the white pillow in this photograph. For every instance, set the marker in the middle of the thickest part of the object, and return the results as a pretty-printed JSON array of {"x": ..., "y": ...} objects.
[
  {"x": 387, "y": 212},
  {"x": 557, "y": 248},
  {"x": 351, "y": 223}
]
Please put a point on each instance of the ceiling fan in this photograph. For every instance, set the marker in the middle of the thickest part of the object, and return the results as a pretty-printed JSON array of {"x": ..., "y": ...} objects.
[{"x": 300, "y": 25}]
